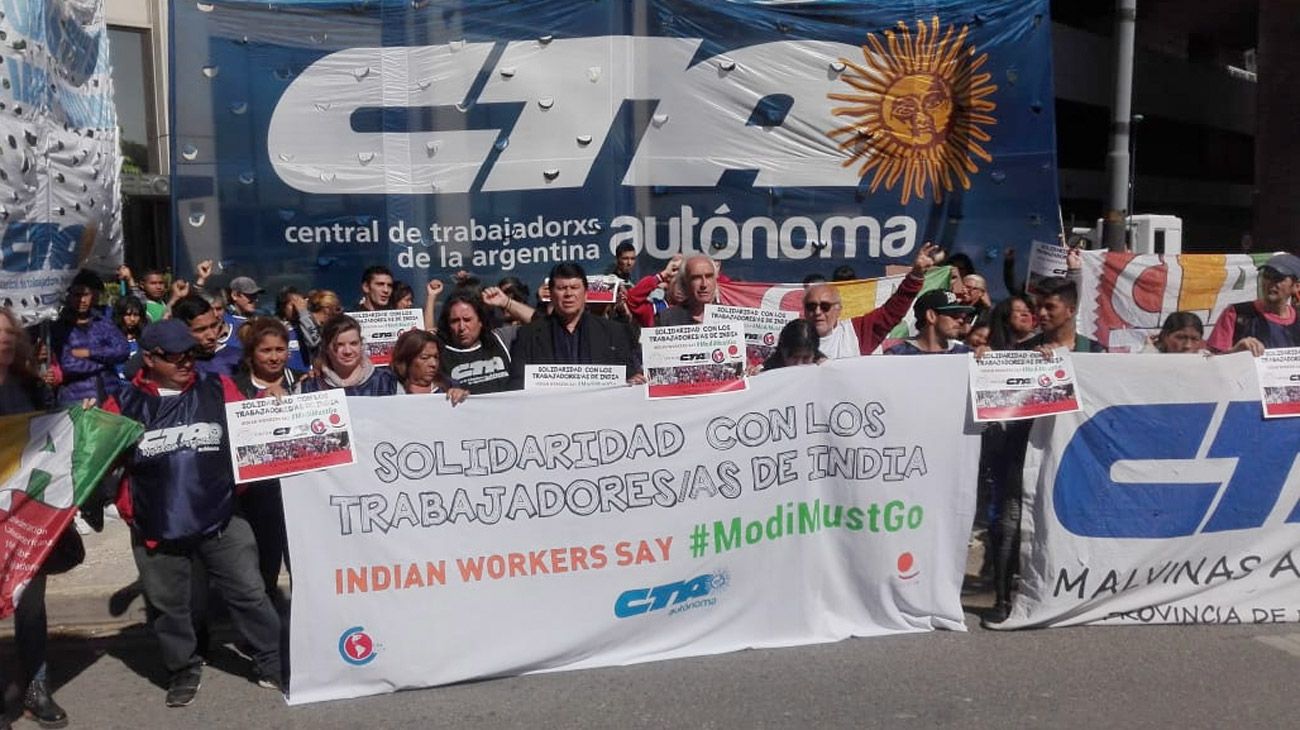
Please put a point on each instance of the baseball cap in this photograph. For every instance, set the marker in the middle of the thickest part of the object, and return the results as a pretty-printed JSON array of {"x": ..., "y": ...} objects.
[
  {"x": 171, "y": 336},
  {"x": 245, "y": 285},
  {"x": 944, "y": 302},
  {"x": 1286, "y": 264}
]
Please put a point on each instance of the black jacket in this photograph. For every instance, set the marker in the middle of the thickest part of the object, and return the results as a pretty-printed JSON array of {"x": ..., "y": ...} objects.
[{"x": 600, "y": 342}]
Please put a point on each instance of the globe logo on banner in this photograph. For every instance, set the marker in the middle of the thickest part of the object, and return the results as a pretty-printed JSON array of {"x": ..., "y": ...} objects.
[{"x": 357, "y": 647}]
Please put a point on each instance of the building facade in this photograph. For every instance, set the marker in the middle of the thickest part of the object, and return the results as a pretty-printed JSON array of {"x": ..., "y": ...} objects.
[{"x": 1195, "y": 89}]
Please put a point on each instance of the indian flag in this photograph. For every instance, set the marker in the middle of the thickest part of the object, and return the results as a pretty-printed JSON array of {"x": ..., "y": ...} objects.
[
  {"x": 49, "y": 464},
  {"x": 859, "y": 296}
]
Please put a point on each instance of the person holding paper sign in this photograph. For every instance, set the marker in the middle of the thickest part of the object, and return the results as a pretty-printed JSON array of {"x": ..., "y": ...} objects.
[
  {"x": 343, "y": 363},
  {"x": 570, "y": 335},
  {"x": 264, "y": 374}
]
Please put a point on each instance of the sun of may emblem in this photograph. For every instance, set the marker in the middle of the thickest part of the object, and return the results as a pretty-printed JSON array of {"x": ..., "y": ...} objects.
[{"x": 919, "y": 105}]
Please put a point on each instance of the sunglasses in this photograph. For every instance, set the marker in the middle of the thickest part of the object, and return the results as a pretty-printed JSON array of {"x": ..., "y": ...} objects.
[
  {"x": 824, "y": 306},
  {"x": 174, "y": 358}
]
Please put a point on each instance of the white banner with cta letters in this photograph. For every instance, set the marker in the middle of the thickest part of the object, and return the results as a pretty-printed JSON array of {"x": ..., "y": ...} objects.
[
  {"x": 505, "y": 536},
  {"x": 1169, "y": 499}
]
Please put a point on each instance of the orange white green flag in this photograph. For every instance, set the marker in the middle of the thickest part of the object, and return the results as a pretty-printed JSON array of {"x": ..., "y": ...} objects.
[
  {"x": 859, "y": 295},
  {"x": 49, "y": 464}
]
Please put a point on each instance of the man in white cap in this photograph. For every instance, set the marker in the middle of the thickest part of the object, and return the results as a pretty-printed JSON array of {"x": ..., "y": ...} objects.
[{"x": 1270, "y": 320}]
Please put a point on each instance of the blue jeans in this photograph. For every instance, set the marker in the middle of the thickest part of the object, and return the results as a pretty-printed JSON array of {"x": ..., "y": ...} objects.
[{"x": 230, "y": 557}]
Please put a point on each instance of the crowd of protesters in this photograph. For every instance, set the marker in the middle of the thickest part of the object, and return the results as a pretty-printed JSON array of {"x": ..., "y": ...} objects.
[{"x": 192, "y": 348}]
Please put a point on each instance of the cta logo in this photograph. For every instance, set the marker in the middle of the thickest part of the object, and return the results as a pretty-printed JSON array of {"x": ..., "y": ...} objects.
[
  {"x": 698, "y": 592},
  {"x": 693, "y": 357},
  {"x": 357, "y": 647},
  {"x": 1133, "y": 471}
]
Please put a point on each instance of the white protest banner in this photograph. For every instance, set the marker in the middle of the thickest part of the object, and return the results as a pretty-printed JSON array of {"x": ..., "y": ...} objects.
[
  {"x": 552, "y": 377},
  {"x": 693, "y": 359},
  {"x": 503, "y": 537},
  {"x": 762, "y": 327},
  {"x": 1013, "y": 385},
  {"x": 276, "y": 437},
  {"x": 1046, "y": 261},
  {"x": 381, "y": 328},
  {"x": 1279, "y": 382},
  {"x": 1169, "y": 499}
]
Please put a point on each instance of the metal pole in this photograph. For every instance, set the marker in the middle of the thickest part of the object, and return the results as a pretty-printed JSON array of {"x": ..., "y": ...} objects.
[
  {"x": 1117, "y": 160},
  {"x": 1132, "y": 170}
]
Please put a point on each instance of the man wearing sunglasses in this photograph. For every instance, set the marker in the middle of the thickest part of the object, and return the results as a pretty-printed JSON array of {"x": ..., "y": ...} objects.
[
  {"x": 940, "y": 319},
  {"x": 863, "y": 334},
  {"x": 180, "y": 504}
]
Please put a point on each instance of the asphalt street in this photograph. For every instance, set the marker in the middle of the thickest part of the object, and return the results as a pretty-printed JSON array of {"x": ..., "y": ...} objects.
[{"x": 1185, "y": 677}]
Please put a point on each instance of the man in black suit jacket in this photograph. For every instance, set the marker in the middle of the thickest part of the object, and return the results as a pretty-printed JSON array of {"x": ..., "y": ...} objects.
[{"x": 571, "y": 335}]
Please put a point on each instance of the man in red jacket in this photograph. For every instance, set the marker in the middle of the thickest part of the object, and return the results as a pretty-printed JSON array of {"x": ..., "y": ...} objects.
[{"x": 182, "y": 506}]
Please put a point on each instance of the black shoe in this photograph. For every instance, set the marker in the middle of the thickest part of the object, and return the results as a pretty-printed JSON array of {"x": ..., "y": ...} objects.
[
  {"x": 41, "y": 706},
  {"x": 996, "y": 615},
  {"x": 184, "y": 686}
]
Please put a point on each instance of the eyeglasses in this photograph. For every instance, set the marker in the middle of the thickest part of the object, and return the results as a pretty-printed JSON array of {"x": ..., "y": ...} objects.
[
  {"x": 824, "y": 306},
  {"x": 174, "y": 358}
]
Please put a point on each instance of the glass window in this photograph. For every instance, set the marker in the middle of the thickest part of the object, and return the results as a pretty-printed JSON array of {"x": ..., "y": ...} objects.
[{"x": 129, "y": 51}]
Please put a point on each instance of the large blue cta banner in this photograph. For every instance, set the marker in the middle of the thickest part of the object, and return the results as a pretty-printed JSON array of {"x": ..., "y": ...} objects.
[{"x": 313, "y": 139}]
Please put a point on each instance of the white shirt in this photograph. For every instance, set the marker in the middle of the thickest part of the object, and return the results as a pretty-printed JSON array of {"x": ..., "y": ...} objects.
[{"x": 842, "y": 341}]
